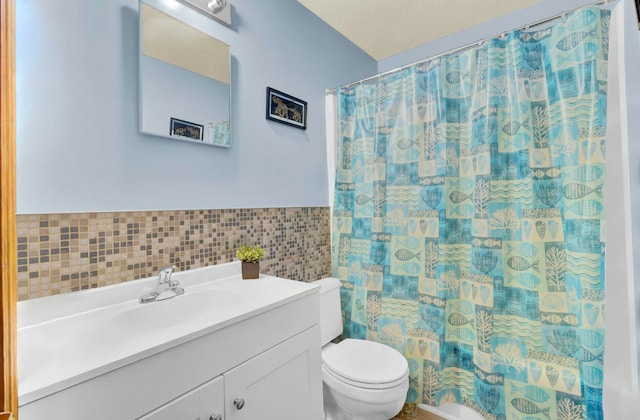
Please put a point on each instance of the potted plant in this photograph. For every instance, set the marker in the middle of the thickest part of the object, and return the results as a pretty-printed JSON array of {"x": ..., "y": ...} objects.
[{"x": 250, "y": 257}]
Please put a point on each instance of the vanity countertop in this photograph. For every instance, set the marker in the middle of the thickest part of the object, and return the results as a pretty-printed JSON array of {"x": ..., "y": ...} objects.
[{"x": 64, "y": 340}]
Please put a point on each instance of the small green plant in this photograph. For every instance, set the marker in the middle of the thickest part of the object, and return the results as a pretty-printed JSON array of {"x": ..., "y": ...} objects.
[{"x": 250, "y": 254}]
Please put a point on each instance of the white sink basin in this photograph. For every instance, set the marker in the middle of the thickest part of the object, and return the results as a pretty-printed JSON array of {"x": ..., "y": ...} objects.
[
  {"x": 191, "y": 306},
  {"x": 67, "y": 339}
]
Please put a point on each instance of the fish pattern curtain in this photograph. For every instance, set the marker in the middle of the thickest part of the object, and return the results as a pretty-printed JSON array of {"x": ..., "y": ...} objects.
[{"x": 468, "y": 227}]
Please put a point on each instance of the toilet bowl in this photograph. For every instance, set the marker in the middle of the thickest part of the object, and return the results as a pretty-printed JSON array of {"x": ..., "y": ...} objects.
[{"x": 362, "y": 380}]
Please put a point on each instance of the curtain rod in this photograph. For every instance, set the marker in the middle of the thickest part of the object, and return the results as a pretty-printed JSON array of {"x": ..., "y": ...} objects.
[{"x": 474, "y": 44}]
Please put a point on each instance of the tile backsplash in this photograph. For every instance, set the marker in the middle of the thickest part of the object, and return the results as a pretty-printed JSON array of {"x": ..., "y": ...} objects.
[{"x": 59, "y": 253}]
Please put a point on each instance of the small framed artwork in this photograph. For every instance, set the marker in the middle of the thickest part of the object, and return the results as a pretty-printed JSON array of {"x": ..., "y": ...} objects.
[
  {"x": 186, "y": 129},
  {"x": 286, "y": 109}
]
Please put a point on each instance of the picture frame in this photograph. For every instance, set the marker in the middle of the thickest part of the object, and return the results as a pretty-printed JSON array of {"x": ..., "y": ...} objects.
[
  {"x": 638, "y": 12},
  {"x": 286, "y": 109},
  {"x": 186, "y": 130}
]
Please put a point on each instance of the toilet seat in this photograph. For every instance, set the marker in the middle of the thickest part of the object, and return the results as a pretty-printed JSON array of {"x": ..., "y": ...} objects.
[
  {"x": 362, "y": 385},
  {"x": 365, "y": 364}
]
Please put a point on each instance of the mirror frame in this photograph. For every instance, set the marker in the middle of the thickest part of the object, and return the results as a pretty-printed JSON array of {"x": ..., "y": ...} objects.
[{"x": 141, "y": 82}]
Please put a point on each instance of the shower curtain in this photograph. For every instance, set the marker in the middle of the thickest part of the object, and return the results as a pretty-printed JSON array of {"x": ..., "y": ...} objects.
[{"x": 468, "y": 220}]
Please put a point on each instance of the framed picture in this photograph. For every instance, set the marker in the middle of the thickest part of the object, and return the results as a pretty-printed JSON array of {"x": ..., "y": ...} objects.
[
  {"x": 638, "y": 12},
  {"x": 286, "y": 109},
  {"x": 186, "y": 129}
]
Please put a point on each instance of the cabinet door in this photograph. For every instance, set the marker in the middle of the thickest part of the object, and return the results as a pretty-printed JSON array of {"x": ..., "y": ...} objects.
[
  {"x": 211, "y": 397},
  {"x": 203, "y": 403},
  {"x": 284, "y": 382}
]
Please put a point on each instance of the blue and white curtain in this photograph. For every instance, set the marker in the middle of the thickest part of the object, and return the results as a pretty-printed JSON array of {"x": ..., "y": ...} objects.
[{"x": 468, "y": 220}]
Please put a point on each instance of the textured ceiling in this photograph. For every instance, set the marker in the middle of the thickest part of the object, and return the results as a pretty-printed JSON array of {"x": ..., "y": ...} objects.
[{"x": 383, "y": 28}]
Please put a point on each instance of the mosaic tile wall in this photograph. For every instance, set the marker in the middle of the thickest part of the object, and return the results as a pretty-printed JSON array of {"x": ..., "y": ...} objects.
[{"x": 59, "y": 253}]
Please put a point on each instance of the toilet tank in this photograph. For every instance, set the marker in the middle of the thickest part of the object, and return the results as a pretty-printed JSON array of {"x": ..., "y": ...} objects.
[{"x": 330, "y": 312}]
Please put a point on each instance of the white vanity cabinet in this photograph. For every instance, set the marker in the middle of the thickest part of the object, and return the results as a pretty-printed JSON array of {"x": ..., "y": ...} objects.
[
  {"x": 265, "y": 358},
  {"x": 277, "y": 384}
]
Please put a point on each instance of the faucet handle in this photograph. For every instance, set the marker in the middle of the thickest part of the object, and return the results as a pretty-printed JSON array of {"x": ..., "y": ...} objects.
[{"x": 164, "y": 275}]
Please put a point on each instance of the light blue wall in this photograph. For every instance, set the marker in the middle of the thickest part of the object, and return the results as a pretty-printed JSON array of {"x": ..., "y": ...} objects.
[{"x": 78, "y": 146}]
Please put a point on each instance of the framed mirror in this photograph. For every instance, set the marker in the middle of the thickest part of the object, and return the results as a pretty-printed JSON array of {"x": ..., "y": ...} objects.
[{"x": 184, "y": 80}]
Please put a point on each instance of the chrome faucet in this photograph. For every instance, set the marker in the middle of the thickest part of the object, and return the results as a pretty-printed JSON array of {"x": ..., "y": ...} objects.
[{"x": 165, "y": 288}]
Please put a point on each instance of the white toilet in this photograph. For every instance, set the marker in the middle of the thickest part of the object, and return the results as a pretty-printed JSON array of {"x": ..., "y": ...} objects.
[{"x": 363, "y": 380}]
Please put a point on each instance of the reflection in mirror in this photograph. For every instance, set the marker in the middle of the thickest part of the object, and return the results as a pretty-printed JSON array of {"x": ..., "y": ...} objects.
[{"x": 184, "y": 81}]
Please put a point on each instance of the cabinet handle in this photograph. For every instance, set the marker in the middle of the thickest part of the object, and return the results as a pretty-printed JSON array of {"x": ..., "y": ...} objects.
[
  {"x": 239, "y": 403},
  {"x": 216, "y": 417}
]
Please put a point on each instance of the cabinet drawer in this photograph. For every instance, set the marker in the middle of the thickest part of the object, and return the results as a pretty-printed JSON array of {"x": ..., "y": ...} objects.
[{"x": 202, "y": 403}]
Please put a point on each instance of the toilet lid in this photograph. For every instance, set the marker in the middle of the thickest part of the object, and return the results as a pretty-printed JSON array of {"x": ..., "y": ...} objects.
[{"x": 365, "y": 362}]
